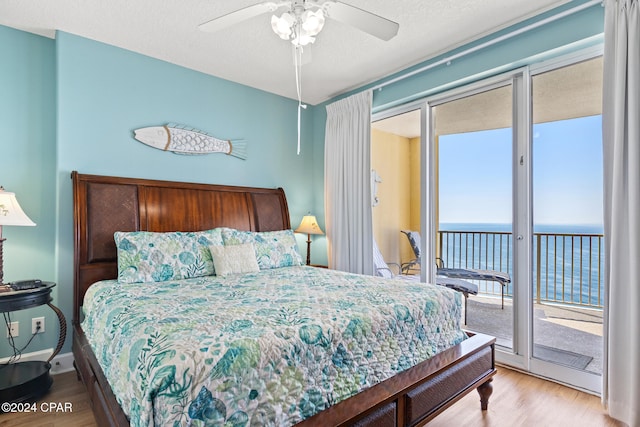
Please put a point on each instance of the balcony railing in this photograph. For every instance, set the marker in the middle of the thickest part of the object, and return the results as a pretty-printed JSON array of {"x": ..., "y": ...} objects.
[{"x": 567, "y": 267}]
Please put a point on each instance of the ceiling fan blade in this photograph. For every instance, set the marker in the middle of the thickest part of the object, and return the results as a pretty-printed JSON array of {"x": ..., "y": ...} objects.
[
  {"x": 239, "y": 15},
  {"x": 368, "y": 22}
]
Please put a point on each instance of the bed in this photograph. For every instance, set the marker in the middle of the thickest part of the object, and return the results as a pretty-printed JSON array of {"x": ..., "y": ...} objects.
[{"x": 348, "y": 388}]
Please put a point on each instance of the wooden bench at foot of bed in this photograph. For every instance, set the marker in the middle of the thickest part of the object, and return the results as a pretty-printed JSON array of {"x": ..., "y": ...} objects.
[{"x": 417, "y": 395}]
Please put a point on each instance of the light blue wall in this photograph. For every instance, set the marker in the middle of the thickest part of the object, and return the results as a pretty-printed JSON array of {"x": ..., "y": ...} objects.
[
  {"x": 104, "y": 93},
  {"x": 27, "y": 168}
]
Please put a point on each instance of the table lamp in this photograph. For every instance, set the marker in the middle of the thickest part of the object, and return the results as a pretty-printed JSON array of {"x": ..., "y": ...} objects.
[
  {"x": 10, "y": 214},
  {"x": 309, "y": 225}
]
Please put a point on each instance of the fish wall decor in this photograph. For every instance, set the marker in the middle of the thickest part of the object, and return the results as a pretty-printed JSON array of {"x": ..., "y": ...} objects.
[{"x": 181, "y": 139}]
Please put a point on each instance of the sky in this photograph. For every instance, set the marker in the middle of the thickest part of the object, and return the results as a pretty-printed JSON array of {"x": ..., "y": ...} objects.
[{"x": 476, "y": 174}]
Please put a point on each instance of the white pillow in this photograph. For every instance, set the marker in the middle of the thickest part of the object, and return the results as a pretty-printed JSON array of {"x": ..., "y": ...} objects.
[{"x": 234, "y": 259}]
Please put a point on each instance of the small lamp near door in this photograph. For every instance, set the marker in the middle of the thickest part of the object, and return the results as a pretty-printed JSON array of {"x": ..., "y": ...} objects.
[
  {"x": 10, "y": 214},
  {"x": 309, "y": 226}
]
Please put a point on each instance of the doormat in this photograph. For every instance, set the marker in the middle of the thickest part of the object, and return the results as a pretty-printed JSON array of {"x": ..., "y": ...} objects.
[{"x": 561, "y": 357}]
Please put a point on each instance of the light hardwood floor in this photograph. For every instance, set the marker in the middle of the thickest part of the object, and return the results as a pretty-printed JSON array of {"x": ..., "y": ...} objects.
[
  {"x": 517, "y": 400},
  {"x": 523, "y": 400},
  {"x": 65, "y": 389}
]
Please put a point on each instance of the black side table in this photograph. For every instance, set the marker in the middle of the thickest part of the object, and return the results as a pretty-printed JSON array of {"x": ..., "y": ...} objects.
[{"x": 27, "y": 381}]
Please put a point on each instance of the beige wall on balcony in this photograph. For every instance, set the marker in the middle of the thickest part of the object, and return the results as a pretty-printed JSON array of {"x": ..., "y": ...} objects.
[
  {"x": 414, "y": 170},
  {"x": 394, "y": 158}
]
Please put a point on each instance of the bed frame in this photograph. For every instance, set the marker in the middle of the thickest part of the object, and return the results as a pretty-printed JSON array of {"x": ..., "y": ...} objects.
[{"x": 103, "y": 205}]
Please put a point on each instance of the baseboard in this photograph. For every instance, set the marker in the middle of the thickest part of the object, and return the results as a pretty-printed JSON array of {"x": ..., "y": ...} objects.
[
  {"x": 60, "y": 364},
  {"x": 36, "y": 355}
]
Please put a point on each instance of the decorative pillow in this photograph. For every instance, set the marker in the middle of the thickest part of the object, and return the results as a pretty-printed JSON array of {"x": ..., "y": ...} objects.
[
  {"x": 274, "y": 249},
  {"x": 156, "y": 257},
  {"x": 207, "y": 238},
  {"x": 234, "y": 259}
]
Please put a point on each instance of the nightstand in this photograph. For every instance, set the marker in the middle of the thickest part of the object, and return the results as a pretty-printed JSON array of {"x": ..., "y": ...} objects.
[
  {"x": 27, "y": 381},
  {"x": 318, "y": 266}
]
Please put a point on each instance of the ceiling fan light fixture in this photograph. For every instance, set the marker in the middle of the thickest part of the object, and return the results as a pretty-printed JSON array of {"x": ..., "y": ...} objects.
[
  {"x": 312, "y": 22},
  {"x": 283, "y": 25}
]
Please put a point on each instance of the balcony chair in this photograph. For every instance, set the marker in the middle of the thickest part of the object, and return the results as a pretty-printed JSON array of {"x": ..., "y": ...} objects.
[
  {"x": 413, "y": 266},
  {"x": 452, "y": 273},
  {"x": 383, "y": 270}
]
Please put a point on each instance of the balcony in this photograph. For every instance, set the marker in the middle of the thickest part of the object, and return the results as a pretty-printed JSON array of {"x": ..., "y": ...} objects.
[{"x": 567, "y": 291}]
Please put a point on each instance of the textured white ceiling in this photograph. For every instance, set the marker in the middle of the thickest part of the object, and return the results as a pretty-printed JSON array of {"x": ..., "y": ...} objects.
[{"x": 343, "y": 58}]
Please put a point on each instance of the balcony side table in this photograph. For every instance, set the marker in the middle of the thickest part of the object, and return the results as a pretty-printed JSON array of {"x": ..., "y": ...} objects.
[{"x": 27, "y": 381}]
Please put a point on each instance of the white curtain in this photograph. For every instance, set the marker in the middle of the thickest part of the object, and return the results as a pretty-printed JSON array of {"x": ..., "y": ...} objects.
[
  {"x": 621, "y": 139},
  {"x": 347, "y": 181}
]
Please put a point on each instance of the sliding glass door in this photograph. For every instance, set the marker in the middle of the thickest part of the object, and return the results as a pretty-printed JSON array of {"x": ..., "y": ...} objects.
[
  {"x": 568, "y": 249},
  {"x": 473, "y": 147},
  {"x": 516, "y": 190}
]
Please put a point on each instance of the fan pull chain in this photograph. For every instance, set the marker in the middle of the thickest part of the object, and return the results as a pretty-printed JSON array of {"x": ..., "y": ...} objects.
[{"x": 297, "y": 59}]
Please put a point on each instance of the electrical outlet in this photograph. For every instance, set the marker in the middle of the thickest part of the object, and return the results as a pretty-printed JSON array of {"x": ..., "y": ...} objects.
[
  {"x": 13, "y": 330},
  {"x": 34, "y": 325}
]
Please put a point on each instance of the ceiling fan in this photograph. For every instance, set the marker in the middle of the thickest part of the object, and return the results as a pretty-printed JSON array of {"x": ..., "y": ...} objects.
[
  {"x": 301, "y": 22},
  {"x": 304, "y": 19}
]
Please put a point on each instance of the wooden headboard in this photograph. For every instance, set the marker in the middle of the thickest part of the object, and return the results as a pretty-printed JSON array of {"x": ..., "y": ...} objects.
[{"x": 103, "y": 205}]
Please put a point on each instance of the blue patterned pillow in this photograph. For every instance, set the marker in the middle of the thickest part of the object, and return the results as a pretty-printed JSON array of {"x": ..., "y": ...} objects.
[
  {"x": 274, "y": 249},
  {"x": 157, "y": 257}
]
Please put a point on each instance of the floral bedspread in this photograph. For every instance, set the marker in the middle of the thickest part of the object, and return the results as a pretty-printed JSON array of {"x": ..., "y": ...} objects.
[{"x": 266, "y": 348}]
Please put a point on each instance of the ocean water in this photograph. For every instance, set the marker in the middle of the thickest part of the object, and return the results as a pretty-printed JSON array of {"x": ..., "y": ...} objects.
[
  {"x": 537, "y": 228},
  {"x": 568, "y": 260}
]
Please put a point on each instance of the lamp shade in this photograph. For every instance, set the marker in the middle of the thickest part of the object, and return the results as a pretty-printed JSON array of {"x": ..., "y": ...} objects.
[
  {"x": 309, "y": 225},
  {"x": 312, "y": 22},
  {"x": 10, "y": 211},
  {"x": 282, "y": 25}
]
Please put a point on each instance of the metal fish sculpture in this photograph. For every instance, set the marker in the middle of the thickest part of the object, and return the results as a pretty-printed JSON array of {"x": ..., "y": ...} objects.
[{"x": 181, "y": 139}]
